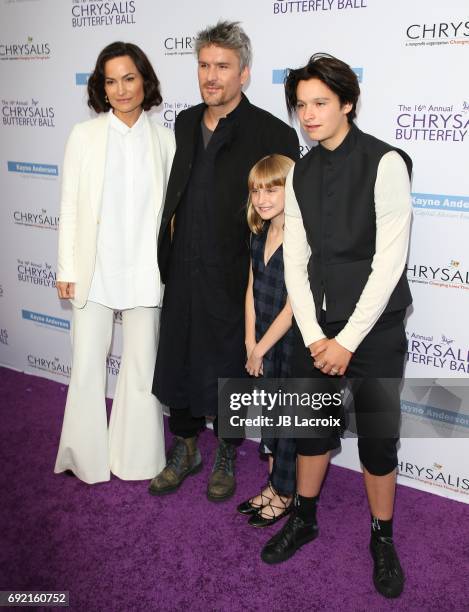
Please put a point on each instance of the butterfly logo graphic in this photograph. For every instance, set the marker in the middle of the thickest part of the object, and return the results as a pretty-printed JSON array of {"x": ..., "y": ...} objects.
[{"x": 446, "y": 340}]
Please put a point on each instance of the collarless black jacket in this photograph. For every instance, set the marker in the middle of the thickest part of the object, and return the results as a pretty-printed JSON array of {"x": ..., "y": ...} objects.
[{"x": 255, "y": 133}]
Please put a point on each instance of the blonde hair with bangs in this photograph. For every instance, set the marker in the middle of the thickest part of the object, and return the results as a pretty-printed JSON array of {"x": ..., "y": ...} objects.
[{"x": 270, "y": 171}]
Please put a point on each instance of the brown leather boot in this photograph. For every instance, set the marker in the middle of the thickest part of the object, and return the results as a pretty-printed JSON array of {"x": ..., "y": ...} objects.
[
  {"x": 222, "y": 483},
  {"x": 182, "y": 460}
]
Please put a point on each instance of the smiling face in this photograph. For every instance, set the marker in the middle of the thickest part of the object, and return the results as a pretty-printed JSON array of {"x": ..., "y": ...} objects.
[
  {"x": 268, "y": 202},
  {"x": 123, "y": 85},
  {"x": 321, "y": 114},
  {"x": 220, "y": 77}
]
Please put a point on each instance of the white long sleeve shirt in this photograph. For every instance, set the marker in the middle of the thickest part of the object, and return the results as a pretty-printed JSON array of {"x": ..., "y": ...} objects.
[
  {"x": 126, "y": 272},
  {"x": 393, "y": 216}
]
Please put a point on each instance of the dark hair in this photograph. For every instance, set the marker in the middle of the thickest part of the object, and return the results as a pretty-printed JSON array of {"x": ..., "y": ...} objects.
[
  {"x": 334, "y": 73},
  {"x": 151, "y": 84}
]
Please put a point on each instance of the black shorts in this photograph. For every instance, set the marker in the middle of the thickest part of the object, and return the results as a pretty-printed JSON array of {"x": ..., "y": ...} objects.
[{"x": 376, "y": 370}]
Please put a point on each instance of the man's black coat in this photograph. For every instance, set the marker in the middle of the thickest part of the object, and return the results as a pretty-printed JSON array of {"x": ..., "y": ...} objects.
[
  {"x": 256, "y": 133},
  {"x": 202, "y": 321}
]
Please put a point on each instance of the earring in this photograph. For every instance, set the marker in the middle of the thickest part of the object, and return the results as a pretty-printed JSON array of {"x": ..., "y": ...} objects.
[{"x": 106, "y": 99}]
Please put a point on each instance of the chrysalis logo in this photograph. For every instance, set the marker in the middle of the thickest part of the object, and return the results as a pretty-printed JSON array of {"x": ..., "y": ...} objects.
[
  {"x": 443, "y": 354},
  {"x": 39, "y": 274},
  {"x": 25, "y": 51},
  {"x": 113, "y": 364},
  {"x": 451, "y": 275},
  {"x": 434, "y": 475},
  {"x": 93, "y": 13},
  {"x": 47, "y": 364},
  {"x": 456, "y": 29},
  {"x": 179, "y": 45}
]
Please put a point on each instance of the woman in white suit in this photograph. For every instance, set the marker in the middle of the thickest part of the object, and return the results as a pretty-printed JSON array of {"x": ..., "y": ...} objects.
[{"x": 115, "y": 173}]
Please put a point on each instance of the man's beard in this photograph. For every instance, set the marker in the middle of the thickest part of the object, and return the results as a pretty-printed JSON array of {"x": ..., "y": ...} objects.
[{"x": 213, "y": 99}]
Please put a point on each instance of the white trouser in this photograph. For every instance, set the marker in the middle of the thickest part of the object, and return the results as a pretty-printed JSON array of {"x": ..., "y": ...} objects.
[{"x": 132, "y": 447}]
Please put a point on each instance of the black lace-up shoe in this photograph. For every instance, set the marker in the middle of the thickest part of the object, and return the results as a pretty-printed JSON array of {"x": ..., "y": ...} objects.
[
  {"x": 293, "y": 535},
  {"x": 388, "y": 576}
]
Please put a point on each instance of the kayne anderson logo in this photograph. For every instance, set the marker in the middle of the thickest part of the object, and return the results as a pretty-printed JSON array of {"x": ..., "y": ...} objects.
[
  {"x": 25, "y": 113},
  {"x": 52, "y": 365},
  {"x": 179, "y": 45},
  {"x": 28, "y": 50},
  {"x": 42, "y": 219},
  {"x": 43, "y": 319},
  {"x": 92, "y": 13},
  {"x": 40, "y": 274},
  {"x": 29, "y": 168},
  {"x": 455, "y": 32},
  {"x": 441, "y": 205},
  {"x": 171, "y": 110},
  {"x": 279, "y": 74},
  {"x": 431, "y": 122},
  {"x": 435, "y": 475},
  {"x": 450, "y": 276},
  {"x": 442, "y": 416},
  {"x": 316, "y": 6},
  {"x": 437, "y": 352}
]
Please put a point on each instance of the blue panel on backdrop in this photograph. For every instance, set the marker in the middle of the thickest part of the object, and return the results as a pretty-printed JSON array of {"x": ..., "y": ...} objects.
[
  {"x": 81, "y": 78},
  {"x": 433, "y": 201},
  {"x": 44, "y": 319},
  {"x": 33, "y": 168},
  {"x": 278, "y": 75}
]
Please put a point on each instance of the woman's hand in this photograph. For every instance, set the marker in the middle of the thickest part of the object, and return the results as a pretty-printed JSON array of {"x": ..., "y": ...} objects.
[
  {"x": 254, "y": 363},
  {"x": 65, "y": 290}
]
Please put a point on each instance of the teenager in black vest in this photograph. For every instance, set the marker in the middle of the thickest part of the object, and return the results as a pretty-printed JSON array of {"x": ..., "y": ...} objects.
[{"x": 348, "y": 213}]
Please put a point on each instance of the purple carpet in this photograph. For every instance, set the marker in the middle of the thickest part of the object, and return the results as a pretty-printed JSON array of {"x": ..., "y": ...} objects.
[{"x": 114, "y": 547}]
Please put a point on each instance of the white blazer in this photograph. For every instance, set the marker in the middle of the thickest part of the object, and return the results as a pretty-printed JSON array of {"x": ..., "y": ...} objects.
[{"x": 82, "y": 190}]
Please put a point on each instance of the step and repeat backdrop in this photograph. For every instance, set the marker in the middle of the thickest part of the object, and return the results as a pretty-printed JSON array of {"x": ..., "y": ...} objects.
[{"x": 412, "y": 60}]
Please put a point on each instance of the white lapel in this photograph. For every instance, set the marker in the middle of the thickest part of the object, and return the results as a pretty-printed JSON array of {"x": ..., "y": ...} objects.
[
  {"x": 98, "y": 162},
  {"x": 156, "y": 165}
]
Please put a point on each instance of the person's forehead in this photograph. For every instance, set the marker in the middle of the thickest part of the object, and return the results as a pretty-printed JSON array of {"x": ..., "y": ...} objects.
[
  {"x": 314, "y": 88},
  {"x": 120, "y": 64},
  {"x": 216, "y": 53}
]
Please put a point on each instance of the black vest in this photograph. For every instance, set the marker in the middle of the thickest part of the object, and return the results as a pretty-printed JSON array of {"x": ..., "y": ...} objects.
[{"x": 335, "y": 194}]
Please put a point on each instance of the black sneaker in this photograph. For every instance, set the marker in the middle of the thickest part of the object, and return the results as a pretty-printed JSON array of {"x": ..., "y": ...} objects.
[
  {"x": 293, "y": 535},
  {"x": 388, "y": 576}
]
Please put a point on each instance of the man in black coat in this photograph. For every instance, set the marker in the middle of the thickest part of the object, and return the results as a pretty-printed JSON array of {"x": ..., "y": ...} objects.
[{"x": 203, "y": 252}]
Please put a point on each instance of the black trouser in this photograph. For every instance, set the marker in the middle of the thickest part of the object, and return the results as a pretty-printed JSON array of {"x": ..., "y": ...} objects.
[
  {"x": 182, "y": 423},
  {"x": 377, "y": 368}
]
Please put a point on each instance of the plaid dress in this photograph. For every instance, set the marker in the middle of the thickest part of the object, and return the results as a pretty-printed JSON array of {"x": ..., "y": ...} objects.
[{"x": 270, "y": 295}]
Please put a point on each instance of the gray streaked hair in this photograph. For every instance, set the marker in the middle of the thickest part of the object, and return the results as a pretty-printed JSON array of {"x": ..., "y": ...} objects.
[{"x": 226, "y": 34}]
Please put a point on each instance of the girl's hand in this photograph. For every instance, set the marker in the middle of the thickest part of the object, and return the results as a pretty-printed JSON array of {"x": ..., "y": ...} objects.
[
  {"x": 250, "y": 344},
  {"x": 65, "y": 290},
  {"x": 254, "y": 364}
]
